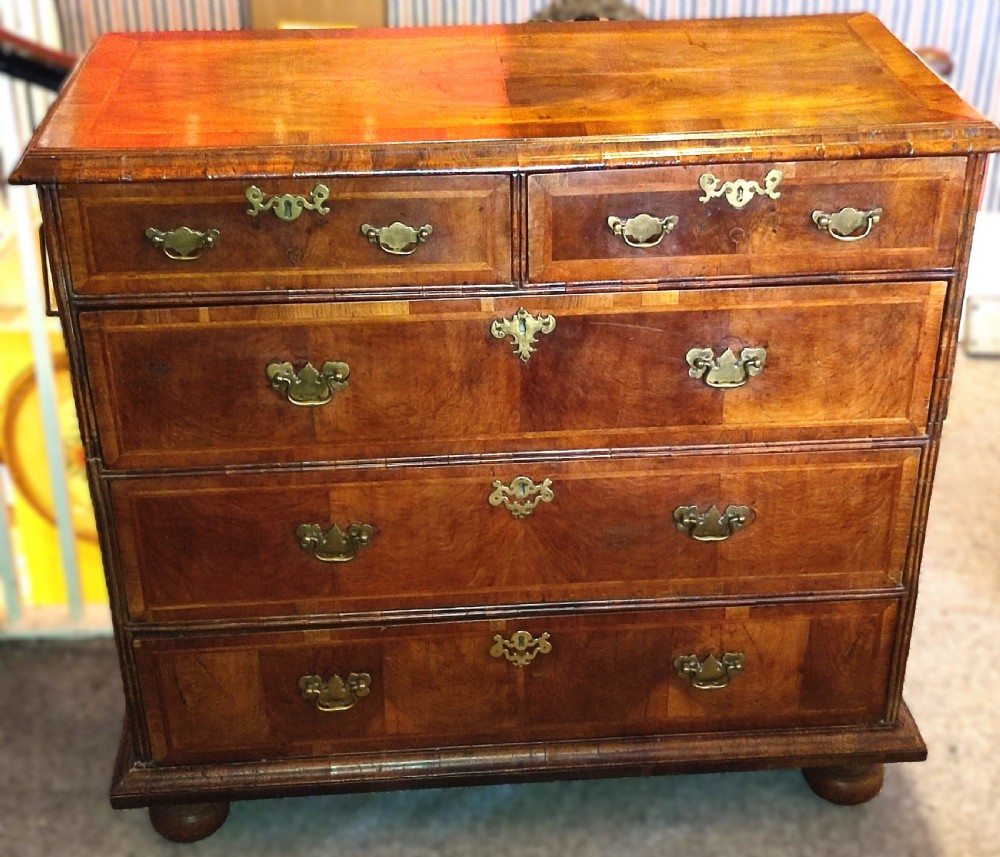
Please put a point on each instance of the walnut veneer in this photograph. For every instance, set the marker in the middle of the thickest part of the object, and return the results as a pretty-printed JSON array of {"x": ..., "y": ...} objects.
[{"x": 582, "y": 350}]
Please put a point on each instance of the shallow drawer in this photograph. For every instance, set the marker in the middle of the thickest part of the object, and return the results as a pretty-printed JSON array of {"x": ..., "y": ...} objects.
[
  {"x": 192, "y": 386},
  {"x": 468, "y": 240},
  {"x": 270, "y": 695},
  {"x": 918, "y": 202},
  {"x": 244, "y": 547}
]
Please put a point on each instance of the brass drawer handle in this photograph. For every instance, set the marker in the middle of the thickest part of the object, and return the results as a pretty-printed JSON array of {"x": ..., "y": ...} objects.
[
  {"x": 397, "y": 239},
  {"x": 727, "y": 370},
  {"x": 739, "y": 192},
  {"x": 182, "y": 244},
  {"x": 308, "y": 386},
  {"x": 335, "y": 545},
  {"x": 521, "y": 496},
  {"x": 335, "y": 694},
  {"x": 710, "y": 673},
  {"x": 712, "y": 525},
  {"x": 522, "y": 648},
  {"x": 844, "y": 224},
  {"x": 287, "y": 206},
  {"x": 643, "y": 230},
  {"x": 523, "y": 328}
]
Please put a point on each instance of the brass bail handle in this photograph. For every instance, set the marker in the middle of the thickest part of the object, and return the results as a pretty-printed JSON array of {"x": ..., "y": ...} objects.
[
  {"x": 335, "y": 544},
  {"x": 644, "y": 230},
  {"x": 712, "y": 525},
  {"x": 397, "y": 239},
  {"x": 308, "y": 386},
  {"x": 844, "y": 225},
  {"x": 182, "y": 244},
  {"x": 710, "y": 673},
  {"x": 726, "y": 371},
  {"x": 334, "y": 693}
]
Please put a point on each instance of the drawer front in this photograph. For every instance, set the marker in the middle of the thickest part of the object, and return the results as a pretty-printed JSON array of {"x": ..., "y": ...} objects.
[
  {"x": 570, "y": 239},
  {"x": 469, "y": 241},
  {"x": 191, "y": 387},
  {"x": 312, "y": 693},
  {"x": 244, "y": 547}
]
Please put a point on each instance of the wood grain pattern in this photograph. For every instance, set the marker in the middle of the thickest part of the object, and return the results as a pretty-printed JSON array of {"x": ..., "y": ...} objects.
[
  {"x": 438, "y": 686},
  {"x": 187, "y": 387},
  {"x": 225, "y": 547},
  {"x": 516, "y": 146},
  {"x": 470, "y": 216},
  {"x": 569, "y": 238},
  {"x": 663, "y": 90}
]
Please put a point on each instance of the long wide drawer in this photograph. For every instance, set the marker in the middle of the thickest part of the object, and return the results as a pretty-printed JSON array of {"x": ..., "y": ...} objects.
[
  {"x": 265, "y": 695},
  {"x": 209, "y": 237},
  {"x": 244, "y": 547},
  {"x": 749, "y": 219},
  {"x": 324, "y": 382}
]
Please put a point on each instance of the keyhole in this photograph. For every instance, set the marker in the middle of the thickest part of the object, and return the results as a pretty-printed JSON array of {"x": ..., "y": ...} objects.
[
  {"x": 288, "y": 207},
  {"x": 522, "y": 325}
]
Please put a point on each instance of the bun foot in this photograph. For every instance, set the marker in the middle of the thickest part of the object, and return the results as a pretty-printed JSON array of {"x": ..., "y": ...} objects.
[
  {"x": 847, "y": 785},
  {"x": 188, "y": 822}
]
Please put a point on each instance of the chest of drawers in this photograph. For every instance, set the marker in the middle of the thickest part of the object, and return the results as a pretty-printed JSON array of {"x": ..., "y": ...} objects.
[{"x": 508, "y": 403}]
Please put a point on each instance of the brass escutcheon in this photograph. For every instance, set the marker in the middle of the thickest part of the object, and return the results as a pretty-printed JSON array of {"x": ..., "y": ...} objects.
[
  {"x": 643, "y": 230},
  {"x": 521, "y": 496},
  {"x": 335, "y": 545},
  {"x": 182, "y": 244},
  {"x": 522, "y": 648},
  {"x": 308, "y": 386},
  {"x": 726, "y": 371},
  {"x": 335, "y": 694},
  {"x": 844, "y": 224},
  {"x": 397, "y": 238},
  {"x": 739, "y": 192},
  {"x": 712, "y": 525},
  {"x": 710, "y": 673},
  {"x": 287, "y": 206},
  {"x": 523, "y": 328}
]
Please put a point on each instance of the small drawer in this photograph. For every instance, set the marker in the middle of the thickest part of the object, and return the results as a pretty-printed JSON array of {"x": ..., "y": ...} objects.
[
  {"x": 539, "y": 678},
  {"x": 209, "y": 237},
  {"x": 235, "y": 385},
  {"x": 744, "y": 220},
  {"x": 243, "y": 547}
]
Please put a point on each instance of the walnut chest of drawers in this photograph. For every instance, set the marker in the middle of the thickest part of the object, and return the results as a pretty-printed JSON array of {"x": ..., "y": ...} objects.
[{"x": 508, "y": 403}]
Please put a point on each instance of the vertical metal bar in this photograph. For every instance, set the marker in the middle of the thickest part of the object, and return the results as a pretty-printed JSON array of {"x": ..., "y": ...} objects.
[
  {"x": 8, "y": 569},
  {"x": 45, "y": 379},
  {"x": 20, "y": 206}
]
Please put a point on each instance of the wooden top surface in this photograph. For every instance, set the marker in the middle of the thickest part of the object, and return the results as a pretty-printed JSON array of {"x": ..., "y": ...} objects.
[{"x": 190, "y": 105}]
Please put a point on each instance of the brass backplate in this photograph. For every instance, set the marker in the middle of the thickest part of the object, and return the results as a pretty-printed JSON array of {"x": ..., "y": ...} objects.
[
  {"x": 523, "y": 328},
  {"x": 710, "y": 673},
  {"x": 522, "y": 648},
  {"x": 740, "y": 192},
  {"x": 335, "y": 693},
  {"x": 521, "y": 496}
]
